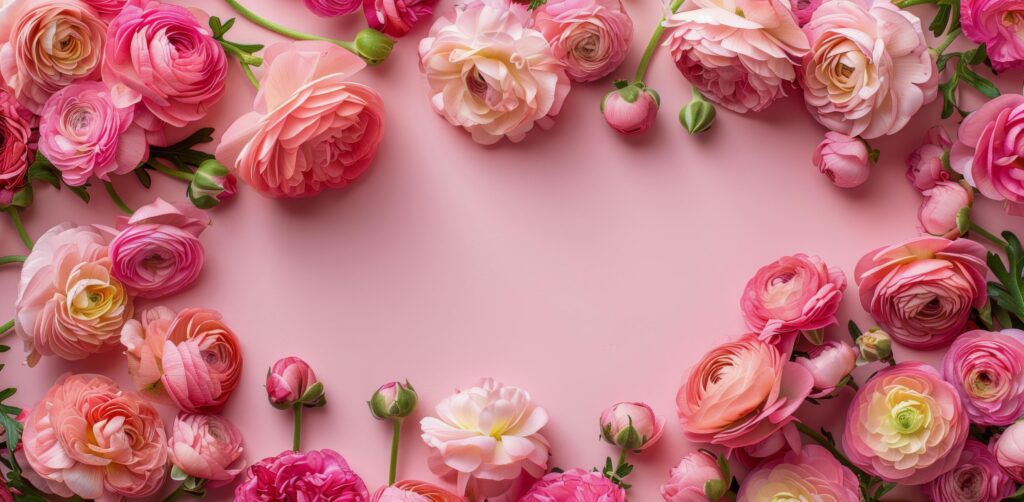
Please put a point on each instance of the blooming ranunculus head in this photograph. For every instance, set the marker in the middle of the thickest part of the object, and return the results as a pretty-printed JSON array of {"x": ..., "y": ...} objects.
[
  {"x": 999, "y": 24},
  {"x": 844, "y": 160},
  {"x": 89, "y": 439},
  {"x": 414, "y": 491},
  {"x": 987, "y": 370},
  {"x": 16, "y": 140},
  {"x": 576, "y": 485},
  {"x": 792, "y": 294},
  {"x": 829, "y": 364},
  {"x": 290, "y": 381},
  {"x": 311, "y": 129},
  {"x": 977, "y": 476},
  {"x": 396, "y": 17},
  {"x": 906, "y": 425},
  {"x": 192, "y": 357},
  {"x": 941, "y": 206},
  {"x": 158, "y": 252},
  {"x": 633, "y": 426},
  {"x": 689, "y": 480},
  {"x": 331, "y": 8},
  {"x": 869, "y": 70},
  {"x": 206, "y": 447},
  {"x": 591, "y": 37},
  {"x": 1010, "y": 450},
  {"x": 311, "y": 476},
  {"x": 493, "y": 86},
  {"x": 925, "y": 165},
  {"x": 161, "y": 55},
  {"x": 810, "y": 474},
  {"x": 737, "y": 52},
  {"x": 489, "y": 432},
  {"x": 988, "y": 149},
  {"x": 69, "y": 304},
  {"x": 740, "y": 393}
]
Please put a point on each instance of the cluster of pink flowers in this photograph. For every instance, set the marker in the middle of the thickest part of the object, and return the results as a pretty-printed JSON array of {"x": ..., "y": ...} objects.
[{"x": 392, "y": 17}]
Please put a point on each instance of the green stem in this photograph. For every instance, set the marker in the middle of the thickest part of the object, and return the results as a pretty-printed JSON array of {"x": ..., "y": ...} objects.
[
  {"x": 823, "y": 441},
  {"x": 396, "y": 432},
  {"x": 16, "y": 220},
  {"x": 252, "y": 78},
  {"x": 284, "y": 30},
  {"x": 297, "y": 431},
  {"x": 7, "y": 326},
  {"x": 14, "y": 258},
  {"x": 623, "y": 456},
  {"x": 910, "y": 3},
  {"x": 174, "y": 173},
  {"x": 117, "y": 198},
  {"x": 176, "y": 494},
  {"x": 987, "y": 235},
  {"x": 645, "y": 61},
  {"x": 950, "y": 38}
]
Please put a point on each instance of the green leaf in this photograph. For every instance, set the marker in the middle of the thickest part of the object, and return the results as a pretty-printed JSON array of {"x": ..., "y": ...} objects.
[
  {"x": 977, "y": 55},
  {"x": 534, "y": 4},
  {"x": 855, "y": 331},
  {"x": 941, "y": 20},
  {"x": 82, "y": 192},
  {"x": 7, "y": 393},
  {"x": 144, "y": 178},
  {"x": 980, "y": 83}
]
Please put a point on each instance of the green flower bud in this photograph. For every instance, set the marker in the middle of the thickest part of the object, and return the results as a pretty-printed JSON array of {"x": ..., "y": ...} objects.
[
  {"x": 393, "y": 401},
  {"x": 373, "y": 46},
  {"x": 875, "y": 345},
  {"x": 698, "y": 115},
  {"x": 211, "y": 184}
]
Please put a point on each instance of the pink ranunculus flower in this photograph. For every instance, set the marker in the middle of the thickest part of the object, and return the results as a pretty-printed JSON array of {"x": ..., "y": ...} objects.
[
  {"x": 906, "y": 425},
  {"x": 396, "y": 17},
  {"x": 331, "y": 8},
  {"x": 414, "y": 491},
  {"x": 829, "y": 364},
  {"x": 987, "y": 370},
  {"x": 925, "y": 165},
  {"x": 69, "y": 304},
  {"x": 290, "y": 381},
  {"x": 192, "y": 357},
  {"x": 999, "y": 24},
  {"x": 45, "y": 45},
  {"x": 206, "y": 447},
  {"x": 633, "y": 426},
  {"x": 630, "y": 117},
  {"x": 16, "y": 145},
  {"x": 741, "y": 393},
  {"x": 988, "y": 149},
  {"x": 1009, "y": 450},
  {"x": 940, "y": 207},
  {"x": 165, "y": 57},
  {"x": 922, "y": 290},
  {"x": 810, "y": 474},
  {"x": 493, "y": 86},
  {"x": 869, "y": 70},
  {"x": 576, "y": 485},
  {"x": 87, "y": 130},
  {"x": 158, "y": 252},
  {"x": 977, "y": 476},
  {"x": 688, "y": 481},
  {"x": 318, "y": 475},
  {"x": 488, "y": 432},
  {"x": 591, "y": 37},
  {"x": 794, "y": 293},
  {"x": 107, "y": 9},
  {"x": 803, "y": 10},
  {"x": 87, "y": 438},
  {"x": 311, "y": 129},
  {"x": 844, "y": 160},
  {"x": 739, "y": 53}
]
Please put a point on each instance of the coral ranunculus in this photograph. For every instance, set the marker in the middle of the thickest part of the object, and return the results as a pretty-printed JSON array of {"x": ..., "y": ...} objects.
[
  {"x": 414, "y": 491},
  {"x": 988, "y": 149},
  {"x": 16, "y": 137},
  {"x": 318, "y": 475},
  {"x": 576, "y": 485},
  {"x": 591, "y": 37},
  {"x": 811, "y": 474},
  {"x": 206, "y": 447},
  {"x": 987, "y": 369},
  {"x": 999, "y": 24},
  {"x": 906, "y": 425},
  {"x": 794, "y": 293},
  {"x": 977, "y": 476}
]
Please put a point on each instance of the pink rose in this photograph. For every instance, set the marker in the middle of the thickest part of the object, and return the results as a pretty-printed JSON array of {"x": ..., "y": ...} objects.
[
  {"x": 999, "y": 24},
  {"x": 89, "y": 439},
  {"x": 414, "y": 491},
  {"x": 206, "y": 447},
  {"x": 290, "y": 380},
  {"x": 591, "y": 37},
  {"x": 1009, "y": 450},
  {"x": 940, "y": 207},
  {"x": 741, "y": 393},
  {"x": 844, "y": 160},
  {"x": 869, "y": 70},
  {"x": 925, "y": 165},
  {"x": 312, "y": 476},
  {"x": 794, "y": 293},
  {"x": 631, "y": 109},
  {"x": 158, "y": 252},
  {"x": 87, "y": 130},
  {"x": 45, "y": 45},
  {"x": 577, "y": 485},
  {"x": 810, "y": 474},
  {"x": 494, "y": 87},
  {"x": 396, "y": 17},
  {"x": 738, "y": 53},
  {"x": 906, "y": 425},
  {"x": 922, "y": 291},
  {"x": 69, "y": 304},
  {"x": 988, "y": 148},
  {"x": 192, "y": 357},
  {"x": 803, "y": 10},
  {"x": 312, "y": 129},
  {"x": 164, "y": 57},
  {"x": 688, "y": 481},
  {"x": 829, "y": 364},
  {"x": 987, "y": 370},
  {"x": 977, "y": 476},
  {"x": 633, "y": 426},
  {"x": 16, "y": 147},
  {"x": 331, "y": 8}
]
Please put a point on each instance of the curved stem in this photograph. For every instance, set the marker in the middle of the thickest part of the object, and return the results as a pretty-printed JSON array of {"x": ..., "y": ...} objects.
[
  {"x": 950, "y": 38},
  {"x": 987, "y": 235},
  {"x": 284, "y": 30},
  {"x": 823, "y": 441},
  {"x": 903, "y": 4},
  {"x": 14, "y": 258},
  {"x": 16, "y": 220},
  {"x": 297, "y": 430},
  {"x": 249, "y": 75},
  {"x": 645, "y": 61},
  {"x": 396, "y": 432},
  {"x": 174, "y": 173},
  {"x": 7, "y": 326},
  {"x": 117, "y": 198}
]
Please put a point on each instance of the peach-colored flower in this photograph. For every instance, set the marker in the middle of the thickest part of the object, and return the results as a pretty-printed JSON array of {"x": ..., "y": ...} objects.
[
  {"x": 489, "y": 432},
  {"x": 311, "y": 129},
  {"x": 69, "y": 305},
  {"x": 206, "y": 447},
  {"x": 88, "y": 438},
  {"x": 591, "y": 37},
  {"x": 737, "y": 52},
  {"x": 414, "y": 491},
  {"x": 811, "y": 474},
  {"x": 490, "y": 73},
  {"x": 794, "y": 293}
]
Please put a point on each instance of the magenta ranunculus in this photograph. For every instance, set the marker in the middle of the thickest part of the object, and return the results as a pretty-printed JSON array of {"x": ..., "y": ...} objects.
[
  {"x": 999, "y": 24},
  {"x": 1009, "y": 450},
  {"x": 988, "y": 149},
  {"x": 798, "y": 293},
  {"x": 925, "y": 164},
  {"x": 811, "y": 474},
  {"x": 317, "y": 475},
  {"x": 688, "y": 481},
  {"x": 591, "y": 37},
  {"x": 844, "y": 160},
  {"x": 941, "y": 207},
  {"x": 396, "y": 17},
  {"x": 576, "y": 485},
  {"x": 987, "y": 369},
  {"x": 976, "y": 477},
  {"x": 206, "y": 447},
  {"x": 107, "y": 9},
  {"x": 291, "y": 381},
  {"x": 331, "y": 8},
  {"x": 16, "y": 149}
]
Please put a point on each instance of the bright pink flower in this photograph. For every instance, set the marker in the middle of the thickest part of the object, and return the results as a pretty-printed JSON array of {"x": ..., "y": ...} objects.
[
  {"x": 987, "y": 370},
  {"x": 577, "y": 485},
  {"x": 591, "y": 37},
  {"x": 988, "y": 149},
  {"x": 5, "y": 492},
  {"x": 158, "y": 252},
  {"x": 414, "y": 491},
  {"x": 803, "y": 10},
  {"x": 924, "y": 165},
  {"x": 999, "y": 24},
  {"x": 811, "y": 474},
  {"x": 793, "y": 293},
  {"x": 940, "y": 207},
  {"x": 331, "y": 8},
  {"x": 630, "y": 117},
  {"x": 844, "y": 160},
  {"x": 319, "y": 475},
  {"x": 829, "y": 364},
  {"x": 1009, "y": 450},
  {"x": 631, "y": 425},
  {"x": 107, "y": 9},
  {"x": 739, "y": 53},
  {"x": 206, "y": 447},
  {"x": 16, "y": 148},
  {"x": 396, "y": 17},
  {"x": 289, "y": 381},
  {"x": 741, "y": 393},
  {"x": 906, "y": 425},
  {"x": 688, "y": 480},
  {"x": 87, "y": 438},
  {"x": 977, "y": 476},
  {"x": 311, "y": 129},
  {"x": 869, "y": 70}
]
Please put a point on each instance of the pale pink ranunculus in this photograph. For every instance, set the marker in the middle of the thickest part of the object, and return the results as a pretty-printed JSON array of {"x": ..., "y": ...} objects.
[
  {"x": 740, "y": 393},
  {"x": 158, "y": 252},
  {"x": 739, "y": 53},
  {"x": 810, "y": 474},
  {"x": 489, "y": 432},
  {"x": 906, "y": 425},
  {"x": 318, "y": 475},
  {"x": 289, "y": 382},
  {"x": 331, "y": 8},
  {"x": 925, "y": 164},
  {"x": 829, "y": 364},
  {"x": 493, "y": 86},
  {"x": 414, "y": 491},
  {"x": 87, "y": 438},
  {"x": 999, "y": 24},
  {"x": 618, "y": 419},
  {"x": 206, "y": 447},
  {"x": 69, "y": 304},
  {"x": 941, "y": 205},
  {"x": 988, "y": 149},
  {"x": 922, "y": 290},
  {"x": 869, "y": 70},
  {"x": 1009, "y": 450},
  {"x": 977, "y": 476},
  {"x": 16, "y": 145},
  {"x": 87, "y": 130},
  {"x": 688, "y": 480},
  {"x": 312, "y": 129},
  {"x": 844, "y": 160},
  {"x": 803, "y": 10},
  {"x": 165, "y": 57},
  {"x": 590, "y": 37},
  {"x": 45, "y": 45},
  {"x": 576, "y": 485},
  {"x": 794, "y": 293},
  {"x": 396, "y": 17},
  {"x": 987, "y": 370},
  {"x": 191, "y": 357}
]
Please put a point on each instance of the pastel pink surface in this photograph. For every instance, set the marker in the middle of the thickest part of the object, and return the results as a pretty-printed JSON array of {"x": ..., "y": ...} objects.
[{"x": 585, "y": 267}]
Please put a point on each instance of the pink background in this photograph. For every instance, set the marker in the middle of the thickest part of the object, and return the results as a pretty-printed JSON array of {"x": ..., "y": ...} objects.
[{"x": 585, "y": 267}]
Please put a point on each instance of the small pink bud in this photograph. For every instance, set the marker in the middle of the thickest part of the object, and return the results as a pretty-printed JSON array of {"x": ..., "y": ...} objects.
[
  {"x": 631, "y": 108},
  {"x": 925, "y": 165},
  {"x": 291, "y": 381},
  {"x": 632, "y": 426},
  {"x": 829, "y": 364},
  {"x": 845, "y": 160},
  {"x": 940, "y": 212}
]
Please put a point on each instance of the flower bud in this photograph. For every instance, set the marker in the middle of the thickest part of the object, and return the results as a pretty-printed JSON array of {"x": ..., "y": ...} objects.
[
  {"x": 945, "y": 210},
  {"x": 393, "y": 400},
  {"x": 700, "y": 475},
  {"x": 1009, "y": 450},
  {"x": 845, "y": 160},
  {"x": 697, "y": 116},
  {"x": 630, "y": 108},
  {"x": 829, "y": 364},
  {"x": 875, "y": 345},
  {"x": 373, "y": 46},
  {"x": 211, "y": 184},
  {"x": 926, "y": 164},
  {"x": 291, "y": 381},
  {"x": 632, "y": 426}
]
